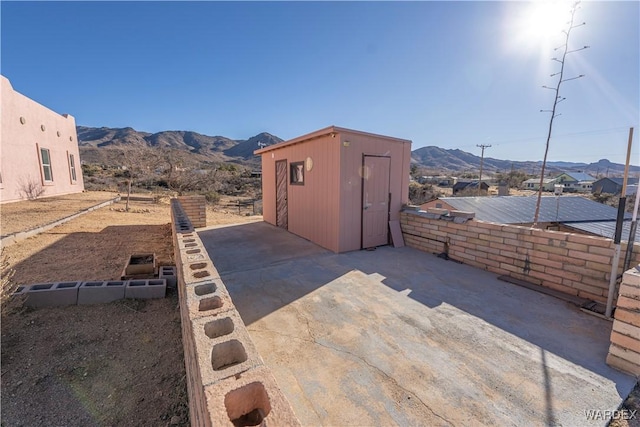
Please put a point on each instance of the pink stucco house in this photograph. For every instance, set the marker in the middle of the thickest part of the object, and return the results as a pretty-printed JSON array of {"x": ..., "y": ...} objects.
[{"x": 38, "y": 149}]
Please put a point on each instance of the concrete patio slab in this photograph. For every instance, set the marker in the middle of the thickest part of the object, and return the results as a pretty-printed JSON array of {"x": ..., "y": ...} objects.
[{"x": 397, "y": 336}]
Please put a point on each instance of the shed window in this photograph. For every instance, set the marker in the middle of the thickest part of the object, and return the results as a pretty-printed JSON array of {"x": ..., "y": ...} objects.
[
  {"x": 72, "y": 168},
  {"x": 296, "y": 173},
  {"x": 45, "y": 159}
]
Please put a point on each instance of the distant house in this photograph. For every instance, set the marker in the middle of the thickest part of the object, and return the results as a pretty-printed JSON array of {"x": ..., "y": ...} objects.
[
  {"x": 469, "y": 185},
  {"x": 439, "y": 180},
  {"x": 563, "y": 213},
  {"x": 39, "y": 149},
  {"x": 534, "y": 184},
  {"x": 611, "y": 185},
  {"x": 575, "y": 182}
]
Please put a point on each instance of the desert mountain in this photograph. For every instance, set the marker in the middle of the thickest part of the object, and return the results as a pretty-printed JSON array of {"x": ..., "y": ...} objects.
[
  {"x": 442, "y": 160},
  {"x": 95, "y": 144}
]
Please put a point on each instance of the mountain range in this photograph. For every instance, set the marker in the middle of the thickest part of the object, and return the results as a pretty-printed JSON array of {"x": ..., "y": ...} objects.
[{"x": 97, "y": 146}]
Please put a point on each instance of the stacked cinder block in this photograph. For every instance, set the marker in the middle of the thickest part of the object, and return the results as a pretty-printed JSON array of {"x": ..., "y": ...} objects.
[
  {"x": 195, "y": 208},
  {"x": 227, "y": 381},
  {"x": 571, "y": 263},
  {"x": 624, "y": 352},
  {"x": 92, "y": 292}
]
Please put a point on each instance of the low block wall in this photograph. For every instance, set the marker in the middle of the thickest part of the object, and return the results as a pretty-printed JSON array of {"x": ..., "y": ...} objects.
[
  {"x": 624, "y": 352},
  {"x": 195, "y": 207},
  {"x": 227, "y": 381},
  {"x": 571, "y": 263}
]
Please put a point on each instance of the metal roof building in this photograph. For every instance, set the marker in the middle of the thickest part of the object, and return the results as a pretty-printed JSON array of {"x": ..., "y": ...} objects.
[{"x": 520, "y": 210}]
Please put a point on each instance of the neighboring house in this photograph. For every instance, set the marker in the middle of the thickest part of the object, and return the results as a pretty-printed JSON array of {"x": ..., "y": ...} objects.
[
  {"x": 548, "y": 184},
  {"x": 39, "y": 149},
  {"x": 336, "y": 187},
  {"x": 441, "y": 180},
  {"x": 575, "y": 182},
  {"x": 556, "y": 212},
  {"x": 612, "y": 185},
  {"x": 469, "y": 185}
]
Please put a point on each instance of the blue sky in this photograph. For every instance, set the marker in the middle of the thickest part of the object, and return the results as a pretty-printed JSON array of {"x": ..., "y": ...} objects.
[{"x": 449, "y": 74}]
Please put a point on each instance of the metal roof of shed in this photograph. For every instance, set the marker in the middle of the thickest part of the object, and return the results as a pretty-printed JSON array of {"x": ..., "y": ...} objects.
[
  {"x": 605, "y": 229},
  {"x": 520, "y": 210}
]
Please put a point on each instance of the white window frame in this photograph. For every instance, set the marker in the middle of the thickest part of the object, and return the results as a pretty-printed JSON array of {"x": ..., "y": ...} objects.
[
  {"x": 44, "y": 166},
  {"x": 72, "y": 168}
]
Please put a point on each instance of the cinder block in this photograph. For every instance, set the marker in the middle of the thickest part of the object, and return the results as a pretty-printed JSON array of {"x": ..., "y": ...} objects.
[
  {"x": 199, "y": 271},
  {"x": 225, "y": 355},
  {"x": 21, "y": 290},
  {"x": 209, "y": 298},
  {"x": 251, "y": 398},
  {"x": 189, "y": 243},
  {"x": 145, "y": 289},
  {"x": 52, "y": 294},
  {"x": 101, "y": 292},
  {"x": 168, "y": 273},
  {"x": 140, "y": 264}
]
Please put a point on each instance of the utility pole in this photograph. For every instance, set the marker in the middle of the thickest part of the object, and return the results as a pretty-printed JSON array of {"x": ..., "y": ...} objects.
[{"x": 482, "y": 146}]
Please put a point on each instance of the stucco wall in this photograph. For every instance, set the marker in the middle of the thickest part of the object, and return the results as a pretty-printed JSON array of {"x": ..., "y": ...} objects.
[
  {"x": 20, "y": 144},
  {"x": 571, "y": 263}
]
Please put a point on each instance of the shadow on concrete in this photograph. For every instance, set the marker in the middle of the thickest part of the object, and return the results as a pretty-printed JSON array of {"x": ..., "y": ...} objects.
[
  {"x": 266, "y": 268},
  {"x": 104, "y": 254}
]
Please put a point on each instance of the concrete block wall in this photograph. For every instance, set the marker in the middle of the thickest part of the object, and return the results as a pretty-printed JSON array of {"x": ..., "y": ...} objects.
[
  {"x": 571, "y": 263},
  {"x": 92, "y": 292},
  {"x": 624, "y": 352},
  {"x": 195, "y": 208},
  {"x": 227, "y": 381}
]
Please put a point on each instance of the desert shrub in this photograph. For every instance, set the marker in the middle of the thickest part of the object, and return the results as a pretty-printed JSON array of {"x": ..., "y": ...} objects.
[
  {"x": 7, "y": 286},
  {"x": 30, "y": 188},
  {"x": 212, "y": 197}
]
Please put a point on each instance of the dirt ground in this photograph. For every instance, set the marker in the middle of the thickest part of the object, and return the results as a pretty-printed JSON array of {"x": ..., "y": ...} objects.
[{"x": 118, "y": 364}]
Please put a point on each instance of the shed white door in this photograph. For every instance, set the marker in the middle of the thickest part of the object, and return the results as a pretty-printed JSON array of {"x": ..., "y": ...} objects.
[
  {"x": 375, "y": 201},
  {"x": 282, "y": 208}
]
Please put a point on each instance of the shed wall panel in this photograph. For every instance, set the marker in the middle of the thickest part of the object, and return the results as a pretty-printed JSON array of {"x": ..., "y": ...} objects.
[
  {"x": 313, "y": 207},
  {"x": 351, "y": 181}
]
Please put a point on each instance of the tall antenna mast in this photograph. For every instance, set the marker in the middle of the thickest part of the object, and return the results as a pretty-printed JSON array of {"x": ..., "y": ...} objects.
[{"x": 558, "y": 98}]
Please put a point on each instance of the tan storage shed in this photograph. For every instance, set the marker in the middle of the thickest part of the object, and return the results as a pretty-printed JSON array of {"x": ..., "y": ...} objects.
[{"x": 336, "y": 187}]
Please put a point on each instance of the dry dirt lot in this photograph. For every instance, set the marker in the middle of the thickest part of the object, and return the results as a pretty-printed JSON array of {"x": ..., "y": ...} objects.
[{"x": 118, "y": 364}]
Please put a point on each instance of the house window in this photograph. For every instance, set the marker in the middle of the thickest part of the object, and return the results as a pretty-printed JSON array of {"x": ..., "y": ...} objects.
[
  {"x": 72, "y": 168},
  {"x": 45, "y": 159},
  {"x": 296, "y": 173}
]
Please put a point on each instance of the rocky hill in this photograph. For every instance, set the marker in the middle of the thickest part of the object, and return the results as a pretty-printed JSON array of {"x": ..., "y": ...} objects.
[
  {"x": 102, "y": 145},
  {"x": 97, "y": 145},
  {"x": 442, "y": 160}
]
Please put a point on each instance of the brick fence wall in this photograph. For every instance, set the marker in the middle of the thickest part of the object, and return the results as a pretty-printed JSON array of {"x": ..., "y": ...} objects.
[
  {"x": 624, "y": 352},
  {"x": 571, "y": 263},
  {"x": 195, "y": 207},
  {"x": 227, "y": 381}
]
